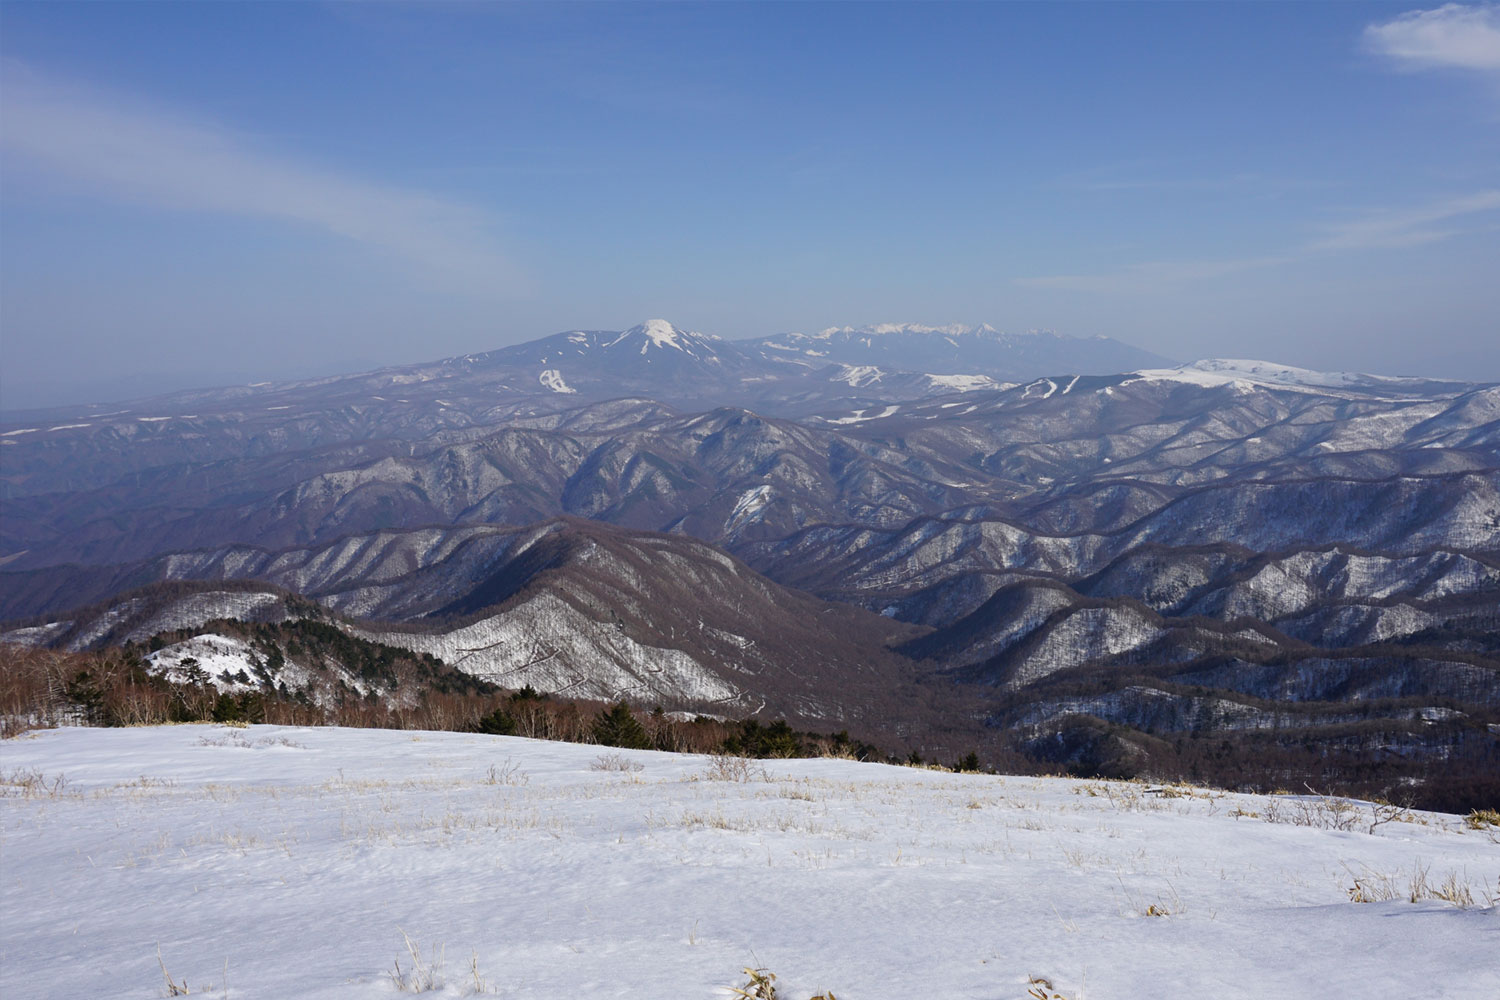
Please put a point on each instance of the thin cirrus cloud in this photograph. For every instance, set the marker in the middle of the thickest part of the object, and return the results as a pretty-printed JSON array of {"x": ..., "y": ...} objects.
[
  {"x": 1454, "y": 36},
  {"x": 126, "y": 152},
  {"x": 1411, "y": 227},
  {"x": 1388, "y": 229}
]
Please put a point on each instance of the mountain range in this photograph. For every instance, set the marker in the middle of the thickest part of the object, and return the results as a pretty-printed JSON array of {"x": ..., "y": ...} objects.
[{"x": 947, "y": 534}]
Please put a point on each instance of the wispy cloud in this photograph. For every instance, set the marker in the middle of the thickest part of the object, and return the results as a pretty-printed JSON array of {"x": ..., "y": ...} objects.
[
  {"x": 1407, "y": 227},
  {"x": 1383, "y": 229},
  {"x": 1451, "y": 36},
  {"x": 125, "y": 151}
]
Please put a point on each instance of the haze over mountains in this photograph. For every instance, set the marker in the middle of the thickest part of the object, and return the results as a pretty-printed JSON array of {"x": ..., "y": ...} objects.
[{"x": 1017, "y": 533}]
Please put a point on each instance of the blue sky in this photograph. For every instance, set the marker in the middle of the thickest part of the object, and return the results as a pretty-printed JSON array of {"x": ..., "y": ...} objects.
[{"x": 200, "y": 193}]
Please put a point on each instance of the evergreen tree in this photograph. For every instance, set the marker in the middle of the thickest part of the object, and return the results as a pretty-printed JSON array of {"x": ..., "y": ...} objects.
[
  {"x": 498, "y": 723},
  {"x": 616, "y": 727}
]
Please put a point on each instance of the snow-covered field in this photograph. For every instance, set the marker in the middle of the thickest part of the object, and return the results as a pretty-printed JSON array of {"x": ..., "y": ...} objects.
[{"x": 292, "y": 861}]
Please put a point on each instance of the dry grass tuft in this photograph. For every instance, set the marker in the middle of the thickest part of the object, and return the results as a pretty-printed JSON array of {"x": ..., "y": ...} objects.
[
  {"x": 1041, "y": 988},
  {"x": 1482, "y": 819},
  {"x": 762, "y": 986},
  {"x": 174, "y": 988},
  {"x": 1376, "y": 887},
  {"x": 32, "y": 784},
  {"x": 422, "y": 975}
]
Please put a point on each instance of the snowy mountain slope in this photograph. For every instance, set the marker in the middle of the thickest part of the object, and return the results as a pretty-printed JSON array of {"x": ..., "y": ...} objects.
[
  {"x": 654, "y": 344},
  {"x": 291, "y": 662},
  {"x": 1058, "y": 434},
  {"x": 566, "y": 606},
  {"x": 144, "y": 612},
  {"x": 520, "y": 861},
  {"x": 602, "y": 613},
  {"x": 1403, "y": 517},
  {"x": 1028, "y": 634}
]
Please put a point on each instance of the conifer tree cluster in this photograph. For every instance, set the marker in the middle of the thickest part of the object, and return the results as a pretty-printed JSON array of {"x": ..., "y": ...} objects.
[{"x": 617, "y": 727}]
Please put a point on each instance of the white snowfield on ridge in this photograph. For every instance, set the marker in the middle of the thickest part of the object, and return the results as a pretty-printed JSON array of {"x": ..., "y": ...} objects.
[
  {"x": 286, "y": 864},
  {"x": 1226, "y": 371}
]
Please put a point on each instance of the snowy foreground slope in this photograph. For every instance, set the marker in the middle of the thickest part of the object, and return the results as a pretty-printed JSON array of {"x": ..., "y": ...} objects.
[{"x": 295, "y": 858}]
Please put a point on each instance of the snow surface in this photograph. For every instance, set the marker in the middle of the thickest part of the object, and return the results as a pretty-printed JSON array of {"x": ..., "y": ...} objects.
[{"x": 293, "y": 859}]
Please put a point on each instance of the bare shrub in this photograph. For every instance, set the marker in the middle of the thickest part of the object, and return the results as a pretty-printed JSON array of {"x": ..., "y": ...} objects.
[
  {"x": 506, "y": 772},
  {"x": 723, "y": 767},
  {"x": 616, "y": 762},
  {"x": 1331, "y": 812}
]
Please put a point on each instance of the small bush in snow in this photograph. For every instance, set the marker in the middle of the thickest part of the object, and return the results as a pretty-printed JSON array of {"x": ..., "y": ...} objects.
[
  {"x": 506, "y": 773},
  {"x": 723, "y": 767},
  {"x": 615, "y": 762}
]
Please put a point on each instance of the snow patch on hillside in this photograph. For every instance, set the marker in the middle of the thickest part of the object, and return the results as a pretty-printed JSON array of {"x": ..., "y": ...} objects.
[
  {"x": 551, "y": 645},
  {"x": 962, "y": 383},
  {"x": 35, "y": 636},
  {"x": 749, "y": 507},
  {"x": 553, "y": 379},
  {"x": 860, "y": 416},
  {"x": 858, "y": 375},
  {"x": 221, "y": 657}
]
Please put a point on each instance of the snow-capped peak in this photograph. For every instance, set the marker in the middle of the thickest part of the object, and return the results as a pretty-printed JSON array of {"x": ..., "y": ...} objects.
[
  {"x": 659, "y": 332},
  {"x": 951, "y": 330}
]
